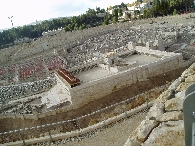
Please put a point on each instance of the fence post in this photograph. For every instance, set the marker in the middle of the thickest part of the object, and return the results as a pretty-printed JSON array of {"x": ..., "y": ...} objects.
[
  {"x": 22, "y": 136},
  {"x": 51, "y": 139},
  {"x": 189, "y": 113},
  {"x": 146, "y": 97},
  {"x": 102, "y": 117},
  {"x": 76, "y": 124},
  {"x": 125, "y": 108}
]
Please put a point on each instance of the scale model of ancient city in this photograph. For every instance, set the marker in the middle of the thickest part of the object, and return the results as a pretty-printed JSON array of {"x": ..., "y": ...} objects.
[{"x": 62, "y": 71}]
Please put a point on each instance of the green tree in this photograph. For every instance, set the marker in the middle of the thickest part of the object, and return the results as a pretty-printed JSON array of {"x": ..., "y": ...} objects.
[
  {"x": 97, "y": 9},
  {"x": 145, "y": 13},
  {"x": 102, "y": 11},
  {"x": 115, "y": 19},
  {"x": 163, "y": 7},
  {"x": 141, "y": 1},
  {"x": 155, "y": 2},
  {"x": 106, "y": 21},
  {"x": 174, "y": 12},
  {"x": 173, "y": 3},
  {"x": 115, "y": 12},
  {"x": 91, "y": 12},
  {"x": 123, "y": 5},
  {"x": 120, "y": 13}
]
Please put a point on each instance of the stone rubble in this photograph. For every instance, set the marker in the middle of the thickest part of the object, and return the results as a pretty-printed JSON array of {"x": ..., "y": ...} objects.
[
  {"x": 170, "y": 116},
  {"x": 155, "y": 111},
  {"x": 174, "y": 104},
  {"x": 168, "y": 113},
  {"x": 169, "y": 133}
]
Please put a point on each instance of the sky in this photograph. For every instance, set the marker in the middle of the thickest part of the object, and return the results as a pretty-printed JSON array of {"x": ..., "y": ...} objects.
[{"x": 28, "y": 11}]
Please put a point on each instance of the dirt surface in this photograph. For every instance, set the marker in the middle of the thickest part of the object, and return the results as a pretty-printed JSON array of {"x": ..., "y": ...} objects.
[
  {"x": 113, "y": 136},
  {"x": 115, "y": 97}
]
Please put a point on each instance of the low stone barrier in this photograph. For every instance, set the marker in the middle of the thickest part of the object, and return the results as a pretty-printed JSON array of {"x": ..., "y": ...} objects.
[
  {"x": 124, "y": 111},
  {"x": 79, "y": 132}
]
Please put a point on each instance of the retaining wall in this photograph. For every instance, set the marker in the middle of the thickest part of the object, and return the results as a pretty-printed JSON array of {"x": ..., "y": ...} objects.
[{"x": 93, "y": 90}]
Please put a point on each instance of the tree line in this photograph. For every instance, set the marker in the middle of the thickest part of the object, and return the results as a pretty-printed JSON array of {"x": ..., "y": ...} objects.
[
  {"x": 168, "y": 7},
  {"x": 90, "y": 19}
]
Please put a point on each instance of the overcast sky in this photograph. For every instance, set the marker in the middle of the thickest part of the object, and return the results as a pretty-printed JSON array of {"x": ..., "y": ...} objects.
[{"x": 27, "y": 11}]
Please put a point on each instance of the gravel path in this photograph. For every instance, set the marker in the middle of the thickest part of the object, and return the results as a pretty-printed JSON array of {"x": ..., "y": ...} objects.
[{"x": 114, "y": 136}]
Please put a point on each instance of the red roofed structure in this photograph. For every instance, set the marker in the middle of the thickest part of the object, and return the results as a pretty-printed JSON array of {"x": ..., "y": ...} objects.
[{"x": 68, "y": 77}]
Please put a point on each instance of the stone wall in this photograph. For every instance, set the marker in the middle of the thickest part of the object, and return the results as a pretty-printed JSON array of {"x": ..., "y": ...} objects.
[
  {"x": 149, "y": 94},
  {"x": 164, "y": 123},
  {"x": 93, "y": 90}
]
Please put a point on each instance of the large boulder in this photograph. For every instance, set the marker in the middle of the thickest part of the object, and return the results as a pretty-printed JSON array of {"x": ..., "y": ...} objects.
[
  {"x": 132, "y": 141},
  {"x": 140, "y": 134},
  {"x": 190, "y": 78},
  {"x": 170, "y": 116},
  {"x": 166, "y": 95},
  {"x": 190, "y": 71},
  {"x": 174, "y": 104},
  {"x": 167, "y": 134},
  {"x": 180, "y": 95},
  {"x": 144, "y": 129},
  {"x": 183, "y": 86},
  {"x": 156, "y": 110},
  {"x": 175, "y": 84}
]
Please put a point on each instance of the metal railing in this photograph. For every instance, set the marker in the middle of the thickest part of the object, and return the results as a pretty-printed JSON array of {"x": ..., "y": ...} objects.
[
  {"x": 193, "y": 134},
  {"x": 189, "y": 115}
]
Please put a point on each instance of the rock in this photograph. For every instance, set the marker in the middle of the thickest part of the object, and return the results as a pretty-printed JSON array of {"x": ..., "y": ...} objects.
[
  {"x": 132, "y": 142},
  {"x": 170, "y": 116},
  {"x": 165, "y": 96},
  {"x": 144, "y": 129},
  {"x": 180, "y": 95},
  {"x": 189, "y": 71},
  {"x": 183, "y": 86},
  {"x": 174, "y": 104},
  {"x": 167, "y": 134},
  {"x": 156, "y": 110},
  {"x": 140, "y": 134},
  {"x": 72, "y": 139},
  {"x": 118, "y": 110},
  {"x": 190, "y": 78},
  {"x": 175, "y": 84}
]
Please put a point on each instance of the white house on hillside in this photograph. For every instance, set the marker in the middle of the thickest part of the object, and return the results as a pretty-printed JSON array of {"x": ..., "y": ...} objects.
[{"x": 140, "y": 7}]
